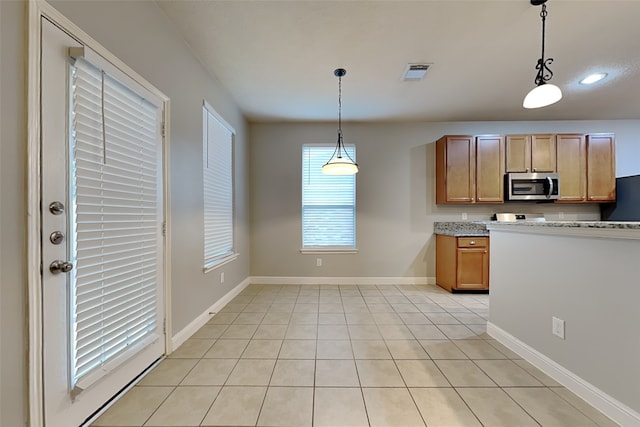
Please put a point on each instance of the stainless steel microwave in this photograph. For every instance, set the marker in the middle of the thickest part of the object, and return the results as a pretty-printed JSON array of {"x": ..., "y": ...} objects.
[{"x": 532, "y": 186}]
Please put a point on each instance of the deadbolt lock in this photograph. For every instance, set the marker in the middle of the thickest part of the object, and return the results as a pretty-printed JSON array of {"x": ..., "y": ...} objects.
[
  {"x": 56, "y": 208},
  {"x": 56, "y": 237}
]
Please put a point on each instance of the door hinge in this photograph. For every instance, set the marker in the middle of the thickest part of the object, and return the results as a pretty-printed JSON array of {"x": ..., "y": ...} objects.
[
  {"x": 164, "y": 229},
  {"x": 163, "y": 129},
  {"x": 164, "y": 326}
]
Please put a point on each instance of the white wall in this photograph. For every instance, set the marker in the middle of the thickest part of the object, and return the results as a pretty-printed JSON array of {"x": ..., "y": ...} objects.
[
  {"x": 139, "y": 34},
  {"x": 395, "y": 193},
  {"x": 589, "y": 282}
]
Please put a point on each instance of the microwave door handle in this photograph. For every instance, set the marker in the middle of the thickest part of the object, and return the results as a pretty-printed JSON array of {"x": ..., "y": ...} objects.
[{"x": 550, "y": 187}]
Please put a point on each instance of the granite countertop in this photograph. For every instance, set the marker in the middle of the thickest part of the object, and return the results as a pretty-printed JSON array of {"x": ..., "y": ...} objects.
[
  {"x": 461, "y": 228},
  {"x": 479, "y": 228},
  {"x": 612, "y": 225}
]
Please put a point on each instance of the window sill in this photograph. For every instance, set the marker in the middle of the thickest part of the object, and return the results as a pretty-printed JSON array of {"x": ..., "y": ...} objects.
[
  {"x": 220, "y": 262},
  {"x": 311, "y": 251}
]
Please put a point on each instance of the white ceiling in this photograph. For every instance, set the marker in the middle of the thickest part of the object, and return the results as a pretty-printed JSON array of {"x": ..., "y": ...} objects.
[{"x": 277, "y": 58}]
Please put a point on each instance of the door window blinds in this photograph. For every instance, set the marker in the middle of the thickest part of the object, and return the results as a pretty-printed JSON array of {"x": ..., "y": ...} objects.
[
  {"x": 328, "y": 201},
  {"x": 218, "y": 188},
  {"x": 115, "y": 197}
]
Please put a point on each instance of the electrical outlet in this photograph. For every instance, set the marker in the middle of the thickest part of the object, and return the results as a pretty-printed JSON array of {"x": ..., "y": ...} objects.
[
  {"x": 557, "y": 327},
  {"x": 464, "y": 216},
  {"x": 222, "y": 277},
  {"x": 318, "y": 262},
  {"x": 560, "y": 215}
]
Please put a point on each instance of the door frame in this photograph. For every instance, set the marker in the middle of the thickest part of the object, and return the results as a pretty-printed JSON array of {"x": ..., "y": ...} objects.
[{"x": 36, "y": 10}]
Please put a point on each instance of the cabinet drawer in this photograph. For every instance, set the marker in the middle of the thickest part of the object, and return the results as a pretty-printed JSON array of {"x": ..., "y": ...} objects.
[{"x": 473, "y": 242}]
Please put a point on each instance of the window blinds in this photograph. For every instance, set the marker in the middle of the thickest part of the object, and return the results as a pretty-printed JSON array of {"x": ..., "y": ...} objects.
[
  {"x": 218, "y": 188},
  {"x": 115, "y": 197},
  {"x": 328, "y": 201}
]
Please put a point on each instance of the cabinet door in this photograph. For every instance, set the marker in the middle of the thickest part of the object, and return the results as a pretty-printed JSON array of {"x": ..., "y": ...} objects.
[
  {"x": 473, "y": 268},
  {"x": 446, "y": 247},
  {"x": 601, "y": 175},
  {"x": 518, "y": 153},
  {"x": 572, "y": 167},
  {"x": 543, "y": 153},
  {"x": 489, "y": 169},
  {"x": 459, "y": 169}
]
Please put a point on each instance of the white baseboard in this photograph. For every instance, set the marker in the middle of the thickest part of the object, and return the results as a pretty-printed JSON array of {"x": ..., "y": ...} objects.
[
  {"x": 203, "y": 318},
  {"x": 288, "y": 280},
  {"x": 617, "y": 411}
]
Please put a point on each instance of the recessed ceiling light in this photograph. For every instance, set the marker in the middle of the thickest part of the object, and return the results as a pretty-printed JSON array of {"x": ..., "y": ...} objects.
[{"x": 590, "y": 79}]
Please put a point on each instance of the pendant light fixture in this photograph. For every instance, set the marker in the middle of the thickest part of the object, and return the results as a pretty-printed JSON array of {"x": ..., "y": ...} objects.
[
  {"x": 544, "y": 93},
  {"x": 340, "y": 162}
]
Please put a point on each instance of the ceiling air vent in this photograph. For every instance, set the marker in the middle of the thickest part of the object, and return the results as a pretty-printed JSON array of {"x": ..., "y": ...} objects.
[{"x": 415, "y": 72}]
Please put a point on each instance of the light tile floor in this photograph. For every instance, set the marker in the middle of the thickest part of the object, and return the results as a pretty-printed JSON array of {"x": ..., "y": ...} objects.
[{"x": 348, "y": 356}]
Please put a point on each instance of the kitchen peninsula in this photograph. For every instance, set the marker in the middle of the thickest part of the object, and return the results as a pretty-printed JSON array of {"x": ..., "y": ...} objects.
[{"x": 586, "y": 275}]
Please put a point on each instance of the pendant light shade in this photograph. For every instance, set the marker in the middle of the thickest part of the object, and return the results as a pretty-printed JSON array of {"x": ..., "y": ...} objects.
[
  {"x": 337, "y": 166},
  {"x": 544, "y": 93},
  {"x": 340, "y": 162}
]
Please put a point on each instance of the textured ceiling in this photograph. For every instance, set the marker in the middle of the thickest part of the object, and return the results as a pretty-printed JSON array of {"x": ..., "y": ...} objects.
[{"x": 276, "y": 58}]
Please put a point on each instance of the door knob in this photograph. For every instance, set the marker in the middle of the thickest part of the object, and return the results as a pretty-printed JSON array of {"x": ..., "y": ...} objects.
[{"x": 58, "y": 266}]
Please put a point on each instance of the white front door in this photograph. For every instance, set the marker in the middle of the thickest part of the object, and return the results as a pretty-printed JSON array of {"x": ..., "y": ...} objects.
[{"x": 102, "y": 272}]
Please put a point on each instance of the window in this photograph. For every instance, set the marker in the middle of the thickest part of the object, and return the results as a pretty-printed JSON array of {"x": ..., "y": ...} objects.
[
  {"x": 218, "y": 188},
  {"x": 328, "y": 202}
]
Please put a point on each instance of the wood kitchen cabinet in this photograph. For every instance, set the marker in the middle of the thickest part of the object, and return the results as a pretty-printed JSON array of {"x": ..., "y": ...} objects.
[
  {"x": 455, "y": 169},
  {"x": 469, "y": 169},
  {"x": 489, "y": 169},
  {"x": 462, "y": 263},
  {"x": 601, "y": 168},
  {"x": 572, "y": 167},
  {"x": 586, "y": 165},
  {"x": 530, "y": 153}
]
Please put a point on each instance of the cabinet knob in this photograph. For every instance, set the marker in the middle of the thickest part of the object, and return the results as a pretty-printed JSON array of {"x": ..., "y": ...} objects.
[
  {"x": 473, "y": 242},
  {"x": 535, "y": 169}
]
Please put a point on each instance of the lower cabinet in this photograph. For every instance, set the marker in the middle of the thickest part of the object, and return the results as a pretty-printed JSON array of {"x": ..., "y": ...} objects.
[{"x": 462, "y": 263}]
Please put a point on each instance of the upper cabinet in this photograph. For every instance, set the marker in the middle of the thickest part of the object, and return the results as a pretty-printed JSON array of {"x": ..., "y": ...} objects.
[
  {"x": 489, "y": 169},
  {"x": 455, "y": 168},
  {"x": 469, "y": 169},
  {"x": 586, "y": 165},
  {"x": 601, "y": 168},
  {"x": 572, "y": 167},
  {"x": 530, "y": 153}
]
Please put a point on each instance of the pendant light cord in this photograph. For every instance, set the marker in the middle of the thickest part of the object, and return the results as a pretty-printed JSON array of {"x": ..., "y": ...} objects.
[
  {"x": 544, "y": 72},
  {"x": 339, "y": 116},
  {"x": 340, "y": 104},
  {"x": 543, "y": 15},
  {"x": 340, "y": 148}
]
